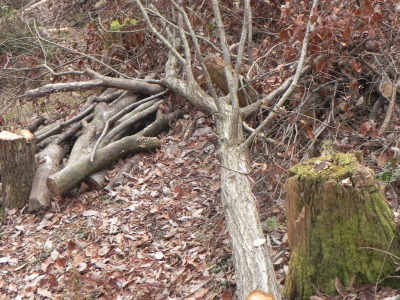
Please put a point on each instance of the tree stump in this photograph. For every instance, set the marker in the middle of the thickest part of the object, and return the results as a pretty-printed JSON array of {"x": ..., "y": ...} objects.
[
  {"x": 339, "y": 226},
  {"x": 17, "y": 166}
]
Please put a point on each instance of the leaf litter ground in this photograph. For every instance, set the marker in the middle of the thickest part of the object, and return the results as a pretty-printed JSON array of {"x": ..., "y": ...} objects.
[{"x": 159, "y": 236}]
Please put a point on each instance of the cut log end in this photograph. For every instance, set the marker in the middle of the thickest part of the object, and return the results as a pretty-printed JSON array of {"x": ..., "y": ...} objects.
[
  {"x": 53, "y": 187},
  {"x": 34, "y": 205}
]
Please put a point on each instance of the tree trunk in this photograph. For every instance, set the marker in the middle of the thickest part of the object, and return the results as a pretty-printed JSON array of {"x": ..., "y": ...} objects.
[
  {"x": 17, "y": 165},
  {"x": 253, "y": 265},
  {"x": 335, "y": 209}
]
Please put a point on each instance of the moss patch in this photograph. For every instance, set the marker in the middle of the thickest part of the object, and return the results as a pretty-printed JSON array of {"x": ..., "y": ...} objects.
[{"x": 335, "y": 211}]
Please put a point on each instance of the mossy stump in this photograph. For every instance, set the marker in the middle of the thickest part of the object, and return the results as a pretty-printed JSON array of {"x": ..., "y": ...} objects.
[{"x": 338, "y": 221}]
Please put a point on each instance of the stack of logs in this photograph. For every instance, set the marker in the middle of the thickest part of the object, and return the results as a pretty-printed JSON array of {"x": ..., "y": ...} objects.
[{"x": 111, "y": 126}]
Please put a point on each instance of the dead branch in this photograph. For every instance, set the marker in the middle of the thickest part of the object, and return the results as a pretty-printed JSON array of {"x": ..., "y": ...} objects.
[
  {"x": 118, "y": 115},
  {"x": 62, "y": 87},
  {"x": 102, "y": 112},
  {"x": 48, "y": 130},
  {"x": 109, "y": 97},
  {"x": 293, "y": 84},
  {"x": 61, "y": 73},
  {"x": 35, "y": 125},
  {"x": 72, "y": 130},
  {"x": 127, "y": 123},
  {"x": 119, "y": 179},
  {"x": 267, "y": 100},
  {"x": 136, "y": 85}
]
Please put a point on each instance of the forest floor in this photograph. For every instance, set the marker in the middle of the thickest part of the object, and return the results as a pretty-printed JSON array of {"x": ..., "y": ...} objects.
[{"x": 162, "y": 234}]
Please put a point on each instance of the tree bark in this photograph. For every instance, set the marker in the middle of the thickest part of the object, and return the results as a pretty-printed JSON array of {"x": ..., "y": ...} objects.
[
  {"x": 335, "y": 208},
  {"x": 253, "y": 266},
  {"x": 17, "y": 166}
]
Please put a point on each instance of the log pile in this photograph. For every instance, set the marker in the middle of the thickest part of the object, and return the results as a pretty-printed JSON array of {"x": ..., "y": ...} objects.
[{"x": 124, "y": 119}]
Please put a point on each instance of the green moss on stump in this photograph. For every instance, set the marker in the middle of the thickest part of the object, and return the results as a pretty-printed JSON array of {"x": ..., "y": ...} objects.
[{"x": 335, "y": 209}]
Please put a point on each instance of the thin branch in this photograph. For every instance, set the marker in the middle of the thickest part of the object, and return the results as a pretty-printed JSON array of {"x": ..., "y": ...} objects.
[
  {"x": 52, "y": 72},
  {"x": 230, "y": 78},
  {"x": 188, "y": 33},
  {"x": 225, "y": 50},
  {"x": 82, "y": 54},
  {"x": 243, "y": 39},
  {"x": 186, "y": 47},
  {"x": 292, "y": 86},
  {"x": 158, "y": 34},
  {"x": 40, "y": 42},
  {"x": 200, "y": 57},
  {"x": 245, "y": 111},
  {"x": 242, "y": 44},
  {"x": 389, "y": 112},
  {"x": 250, "y": 36},
  {"x": 261, "y": 57}
]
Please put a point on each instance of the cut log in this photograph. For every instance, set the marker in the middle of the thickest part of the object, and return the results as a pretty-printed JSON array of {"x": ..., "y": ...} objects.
[
  {"x": 96, "y": 180},
  {"x": 102, "y": 113},
  {"x": 339, "y": 226},
  {"x": 49, "y": 162},
  {"x": 62, "y": 181},
  {"x": 49, "y": 127},
  {"x": 215, "y": 67},
  {"x": 35, "y": 125},
  {"x": 17, "y": 165}
]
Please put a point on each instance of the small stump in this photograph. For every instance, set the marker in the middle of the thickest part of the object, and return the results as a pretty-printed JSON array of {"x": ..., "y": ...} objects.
[
  {"x": 335, "y": 209},
  {"x": 17, "y": 167}
]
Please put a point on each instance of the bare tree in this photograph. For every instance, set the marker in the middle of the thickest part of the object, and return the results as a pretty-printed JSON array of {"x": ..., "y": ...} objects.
[{"x": 253, "y": 266}]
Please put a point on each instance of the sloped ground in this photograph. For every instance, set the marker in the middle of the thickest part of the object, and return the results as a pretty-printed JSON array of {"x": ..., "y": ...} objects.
[
  {"x": 159, "y": 236},
  {"x": 162, "y": 234}
]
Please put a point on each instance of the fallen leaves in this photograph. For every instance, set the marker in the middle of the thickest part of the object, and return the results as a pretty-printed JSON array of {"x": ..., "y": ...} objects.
[{"x": 157, "y": 237}]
